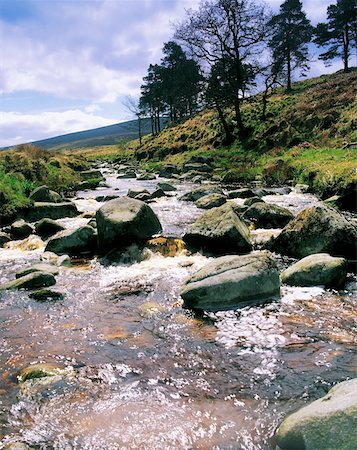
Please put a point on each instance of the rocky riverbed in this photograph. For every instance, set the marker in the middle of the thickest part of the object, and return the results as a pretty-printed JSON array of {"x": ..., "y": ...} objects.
[{"x": 108, "y": 351}]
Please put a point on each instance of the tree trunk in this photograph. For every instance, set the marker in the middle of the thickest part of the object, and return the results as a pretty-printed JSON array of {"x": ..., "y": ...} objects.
[
  {"x": 139, "y": 129},
  {"x": 346, "y": 43},
  {"x": 242, "y": 131},
  {"x": 158, "y": 120},
  {"x": 229, "y": 138},
  {"x": 288, "y": 88}
]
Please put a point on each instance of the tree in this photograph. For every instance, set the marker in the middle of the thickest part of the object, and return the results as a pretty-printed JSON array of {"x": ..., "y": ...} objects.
[
  {"x": 221, "y": 29},
  {"x": 151, "y": 100},
  {"x": 291, "y": 32},
  {"x": 133, "y": 105},
  {"x": 339, "y": 33}
]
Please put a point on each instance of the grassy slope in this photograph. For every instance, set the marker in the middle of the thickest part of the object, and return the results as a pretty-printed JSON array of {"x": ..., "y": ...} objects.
[
  {"x": 302, "y": 138},
  {"x": 27, "y": 167}
]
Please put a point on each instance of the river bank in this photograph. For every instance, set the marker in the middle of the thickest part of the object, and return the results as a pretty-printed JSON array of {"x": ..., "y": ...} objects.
[{"x": 142, "y": 371}]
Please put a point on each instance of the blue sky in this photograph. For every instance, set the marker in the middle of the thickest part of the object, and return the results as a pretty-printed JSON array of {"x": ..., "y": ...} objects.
[{"x": 67, "y": 65}]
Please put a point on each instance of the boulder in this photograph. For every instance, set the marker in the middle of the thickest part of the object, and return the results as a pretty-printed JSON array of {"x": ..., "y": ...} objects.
[
  {"x": 127, "y": 174},
  {"x": 317, "y": 230},
  {"x": 168, "y": 170},
  {"x": 194, "y": 176},
  {"x": 219, "y": 231},
  {"x": 158, "y": 194},
  {"x": 41, "y": 267},
  {"x": 327, "y": 423},
  {"x": 211, "y": 201},
  {"x": 44, "y": 194},
  {"x": 73, "y": 242},
  {"x": 241, "y": 193},
  {"x": 200, "y": 192},
  {"x": 40, "y": 210},
  {"x": 144, "y": 197},
  {"x": 231, "y": 281},
  {"x": 134, "y": 192},
  {"x": 33, "y": 280},
  {"x": 167, "y": 187},
  {"x": 91, "y": 175},
  {"x": 197, "y": 167},
  {"x": 124, "y": 221},
  {"x": 315, "y": 270},
  {"x": 250, "y": 201},
  {"x": 43, "y": 295},
  {"x": 146, "y": 176},
  {"x": 4, "y": 238},
  {"x": 266, "y": 215},
  {"x": 20, "y": 229},
  {"x": 48, "y": 227}
]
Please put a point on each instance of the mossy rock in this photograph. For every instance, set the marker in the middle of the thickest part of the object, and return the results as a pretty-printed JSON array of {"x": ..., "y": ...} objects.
[
  {"x": 43, "y": 295},
  {"x": 39, "y": 371}
]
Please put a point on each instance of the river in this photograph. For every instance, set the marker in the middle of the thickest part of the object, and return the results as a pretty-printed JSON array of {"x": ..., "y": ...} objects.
[{"x": 144, "y": 373}]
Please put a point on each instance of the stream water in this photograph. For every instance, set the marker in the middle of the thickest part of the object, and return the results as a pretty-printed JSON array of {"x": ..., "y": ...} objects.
[{"x": 144, "y": 373}]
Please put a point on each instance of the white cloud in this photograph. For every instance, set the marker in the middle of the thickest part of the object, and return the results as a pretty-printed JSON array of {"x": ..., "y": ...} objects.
[{"x": 16, "y": 128}]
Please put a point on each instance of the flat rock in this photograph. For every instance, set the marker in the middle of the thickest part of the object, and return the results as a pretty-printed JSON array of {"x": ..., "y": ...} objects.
[
  {"x": 211, "y": 201},
  {"x": 219, "y": 231},
  {"x": 241, "y": 193},
  {"x": 124, "y": 221},
  {"x": 266, "y": 215},
  {"x": 317, "y": 230},
  {"x": 327, "y": 423},
  {"x": 33, "y": 280},
  {"x": 48, "y": 268},
  {"x": 40, "y": 210},
  {"x": 73, "y": 242},
  {"x": 315, "y": 270},
  {"x": 231, "y": 281},
  {"x": 200, "y": 192}
]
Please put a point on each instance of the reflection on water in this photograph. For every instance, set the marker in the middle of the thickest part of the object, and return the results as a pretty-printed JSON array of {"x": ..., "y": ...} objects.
[{"x": 148, "y": 374}]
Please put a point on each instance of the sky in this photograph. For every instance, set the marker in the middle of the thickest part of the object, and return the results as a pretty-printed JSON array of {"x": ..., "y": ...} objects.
[{"x": 67, "y": 65}]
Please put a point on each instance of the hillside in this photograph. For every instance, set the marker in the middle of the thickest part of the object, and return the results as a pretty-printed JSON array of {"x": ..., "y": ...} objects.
[
  {"x": 309, "y": 135},
  {"x": 109, "y": 135}
]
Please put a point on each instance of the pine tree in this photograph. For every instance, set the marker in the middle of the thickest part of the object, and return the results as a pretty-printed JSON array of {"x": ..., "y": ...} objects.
[
  {"x": 291, "y": 32},
  {"x": 339, "y": 33}
]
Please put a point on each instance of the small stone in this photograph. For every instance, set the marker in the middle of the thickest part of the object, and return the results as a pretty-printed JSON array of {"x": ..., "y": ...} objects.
[{"x": 43, "y": 295}]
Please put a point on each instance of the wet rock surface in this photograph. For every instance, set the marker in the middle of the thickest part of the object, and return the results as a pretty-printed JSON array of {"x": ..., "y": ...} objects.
[{"x": 73, "y": 242}]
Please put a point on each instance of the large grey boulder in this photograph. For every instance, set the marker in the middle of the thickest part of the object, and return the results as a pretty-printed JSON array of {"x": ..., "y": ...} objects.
[
  {"x": 168, "y": 170},
  {"x": 329, "y": 423},
  {"x": 44, "y": 194},
  {"x": 211, "y": 201},
  {"x": 241, "y": 193},
  {"x": 123, "y": 221},
  {"x": 200, "y": 192},
  {"x": 232, "y": 281},
  {"x": 91, "y": 175},
  {"x": 266, "y": 215},
  {"x": 40, "y": 210},
  {"x": 73, "y": 242},
  {"x": 33, "y": 280},
  {"x": 134, "y": 192},
  {"x": 315, "y": 270},
  {"x": 219, "y": 231},
  {"x": 317, "y": 230},
  {"x": 20, "y": 229},
  {"x": 167, "y": 187},
  {"x": 48, "y": 227}
]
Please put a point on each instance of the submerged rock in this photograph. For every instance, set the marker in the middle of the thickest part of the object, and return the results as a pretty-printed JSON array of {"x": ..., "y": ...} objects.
[
  {"x": 44, "y": 194},
  {"x": 317, "y": 269},
  {"x": 20, "y": 229},
  {"x": 317, "y": 230},
  {"x": 33, "y": 280},
  {"x": 43, "y": 295},
  {"x": 219, "y": 231},
  {"x": 232, "y": 281},
  {"x": 37, "y": 268},
  {"x": 73, "y": 242},
  {"x": 200, "y": 192},
  {"x": 211, "y": 201},
  {"x": 265, "y": 215},
  {"x": 40, "y": 210},
  {"x": 48, "y": 227},
  {"x": 124, "y": 221},
  {"x": 327, "y": 423}
]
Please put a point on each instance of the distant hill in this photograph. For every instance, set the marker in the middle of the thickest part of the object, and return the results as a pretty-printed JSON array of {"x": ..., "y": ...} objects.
[{"x": 109, "y": 135}]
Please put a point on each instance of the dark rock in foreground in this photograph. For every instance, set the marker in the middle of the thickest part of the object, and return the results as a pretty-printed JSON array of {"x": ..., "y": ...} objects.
[
  {"x": 48, "y": 227},
  {"x": 54, "y": 211},
  {"x": 20, "y": 229},
  {"x": 4, "y": 238},
  {"x": 73, "y": 242},
  {"x": 315, "y": 270},
  {"x": 317, "y": 230},
  {"x": 219, "y": 231},
  {"x": 233, "y": 281},
  {"x": 327, "y": 423},
  {"x": 123, "y": 221}
]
